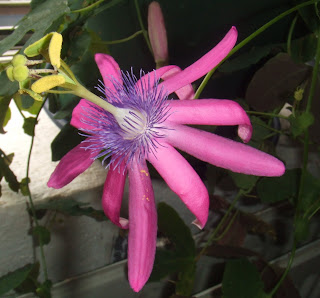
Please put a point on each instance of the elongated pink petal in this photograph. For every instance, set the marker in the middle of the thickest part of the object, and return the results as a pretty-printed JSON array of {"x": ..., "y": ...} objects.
[
  {"x": 157, "y": 32},
  {"x": 109, "y": 70},
  {"x": 185, "y": 92},
  {"x": 211, "y": 112},
  {"x": 71, "y": 165},
  {"x": 204, "y": 64},
  {"x": 78, "y": 115},
  {"x": 112, "y": 196},
  {"x": 183, "y": 180},
  {"x": 223, "y": 152},
  {"x": 166, "y": 72},
  {"x": 142, "y": 225}
]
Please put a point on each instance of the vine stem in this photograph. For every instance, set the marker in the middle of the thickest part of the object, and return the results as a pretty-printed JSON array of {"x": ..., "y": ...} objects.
[
  {"x": 213, "y": 236},
  {"x": 248, "y": 39},
  {"x": 33, "y": 211},
  {"x": 145, "y": 34},
  {"x": 88, "y": 7},
  {"x": 305, "y": 161}
]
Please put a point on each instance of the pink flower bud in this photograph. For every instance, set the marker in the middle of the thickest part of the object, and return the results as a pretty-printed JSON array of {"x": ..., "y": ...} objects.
[{"x": 157, "y": 34}]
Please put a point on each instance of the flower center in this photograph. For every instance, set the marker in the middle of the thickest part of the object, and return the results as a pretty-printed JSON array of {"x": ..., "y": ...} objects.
[{"x": 132, "y": 122}]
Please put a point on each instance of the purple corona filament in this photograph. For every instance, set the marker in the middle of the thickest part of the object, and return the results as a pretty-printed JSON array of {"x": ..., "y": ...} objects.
[{"x": 146, "y": 109}]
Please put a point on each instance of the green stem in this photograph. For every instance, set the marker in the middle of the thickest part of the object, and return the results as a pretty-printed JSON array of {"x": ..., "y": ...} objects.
[
  {"x": 33, "y": 211},
  {"x": 290, "y": 34},
  {"x": 271, "y": 115},
  {"x": 82, "y": 92},
  {"x": 123, "y": 39},
  {"x": 221, "y": 223},
  {"x": 284, "y": 275},
  {"x": 248, "y": 39},
  {"x": 228, "y": 226},
  {"x": 145, "y": 34},
  {"x": 88, "y": 7}
]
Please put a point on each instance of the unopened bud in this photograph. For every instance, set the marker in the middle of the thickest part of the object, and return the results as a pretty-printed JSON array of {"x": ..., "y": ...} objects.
[
  {"x": 9, "y": 72},
  {"x": 19, "y": 60},
  {"x": 20, "y": 73},
  {"x": 298, "y": 94},
  {"x": 157, "y": 33}
]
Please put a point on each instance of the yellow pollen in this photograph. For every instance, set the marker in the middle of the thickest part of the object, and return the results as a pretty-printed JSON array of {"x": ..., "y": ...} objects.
[{"x": 144, "y": 172}]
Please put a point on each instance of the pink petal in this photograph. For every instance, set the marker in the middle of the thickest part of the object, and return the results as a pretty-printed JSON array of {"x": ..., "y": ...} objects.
[
  {"x": 112, "y": 196},
  {"x": 204, "y": 64},
  {"x": 109, "y": 69},
  {"x": 211, "y": 112},
  {"x": 166, "y": 72},
  {"x": 157, "y": 32},
  {"x": 79, "y": 114},
  {"x": 142, "y": 225},
  {"x": 223, "y": 152},
  {"x": 183, "y": 180},
  {"x": 71, "y": 165},
  {"x": 185, "y": 92}
]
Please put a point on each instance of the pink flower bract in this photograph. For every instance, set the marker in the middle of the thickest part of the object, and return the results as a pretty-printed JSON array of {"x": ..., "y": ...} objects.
[{"x": 154, "y": 137}]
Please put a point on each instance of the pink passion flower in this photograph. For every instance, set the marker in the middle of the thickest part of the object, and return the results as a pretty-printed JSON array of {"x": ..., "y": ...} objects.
[{"x": 151, "y": 130}]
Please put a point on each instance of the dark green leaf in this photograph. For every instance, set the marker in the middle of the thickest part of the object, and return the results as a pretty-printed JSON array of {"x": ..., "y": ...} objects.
[
  {"x": 7, "y": 173},
  {"x": 27, "y": 103},
  {"x": 171, "y": 224},
  {"x": 252, "y": 56},
  {"x": 185, "y": 282},
  {"x": 14, "y": 279},
  {"x": 4, "y": 108},
  {"x": 7, "y": 88},
  {"x": 310, "y": 194},
  {"x": 241, "y": 279},
  {"x": 73, "y": 208},
  {"x": 275, "y": 189},
  {"x": 310, "y": 15},
  {"x": 275, "y": 82},
  {"x": 39, "y": 20},
  {"x": 42, "y": 234},
  {"x": 304, "y": 48},
  {"x": 243, "y": 181},
  {"x": 30, "y": 283},
  {"x": 29, "y": 125},
  {"x": 300, "y": 122},
  {"x": 79, "y": 44},
  {"x": 66, "y": 140}
]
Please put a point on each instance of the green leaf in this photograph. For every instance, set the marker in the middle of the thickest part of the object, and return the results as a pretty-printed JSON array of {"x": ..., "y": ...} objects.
[
  {"x": 4, "y": 112},
  {"x": 185, "y": 282},
  {"x": 27, "y": 103},
  {"x": 66, "y": 140},
  {"x": 275, "y": 189},
  {"x": 7, "y": 88},
  {"x": 300, "y": 122},
  {"x": 252, "y": 56},
  {"x": 30, "y": 284},
  {"x": 243, "y": 181},
  {"x": 310, "y": 15},
  {"x": 42, "y": 234},
  {"x": 182, "y": 253},
  {"x": 171, "y": 224},
  {"x": 73, "y": 208},
  {"x": 14, "y": 279},
  {"x": 304, "y": 49},
  {"x": 29, "y": 125},
  {"x": 7, "y": 173},
  {"x": 39, "y": 20},
  {"x": 241, "y": 279}
]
